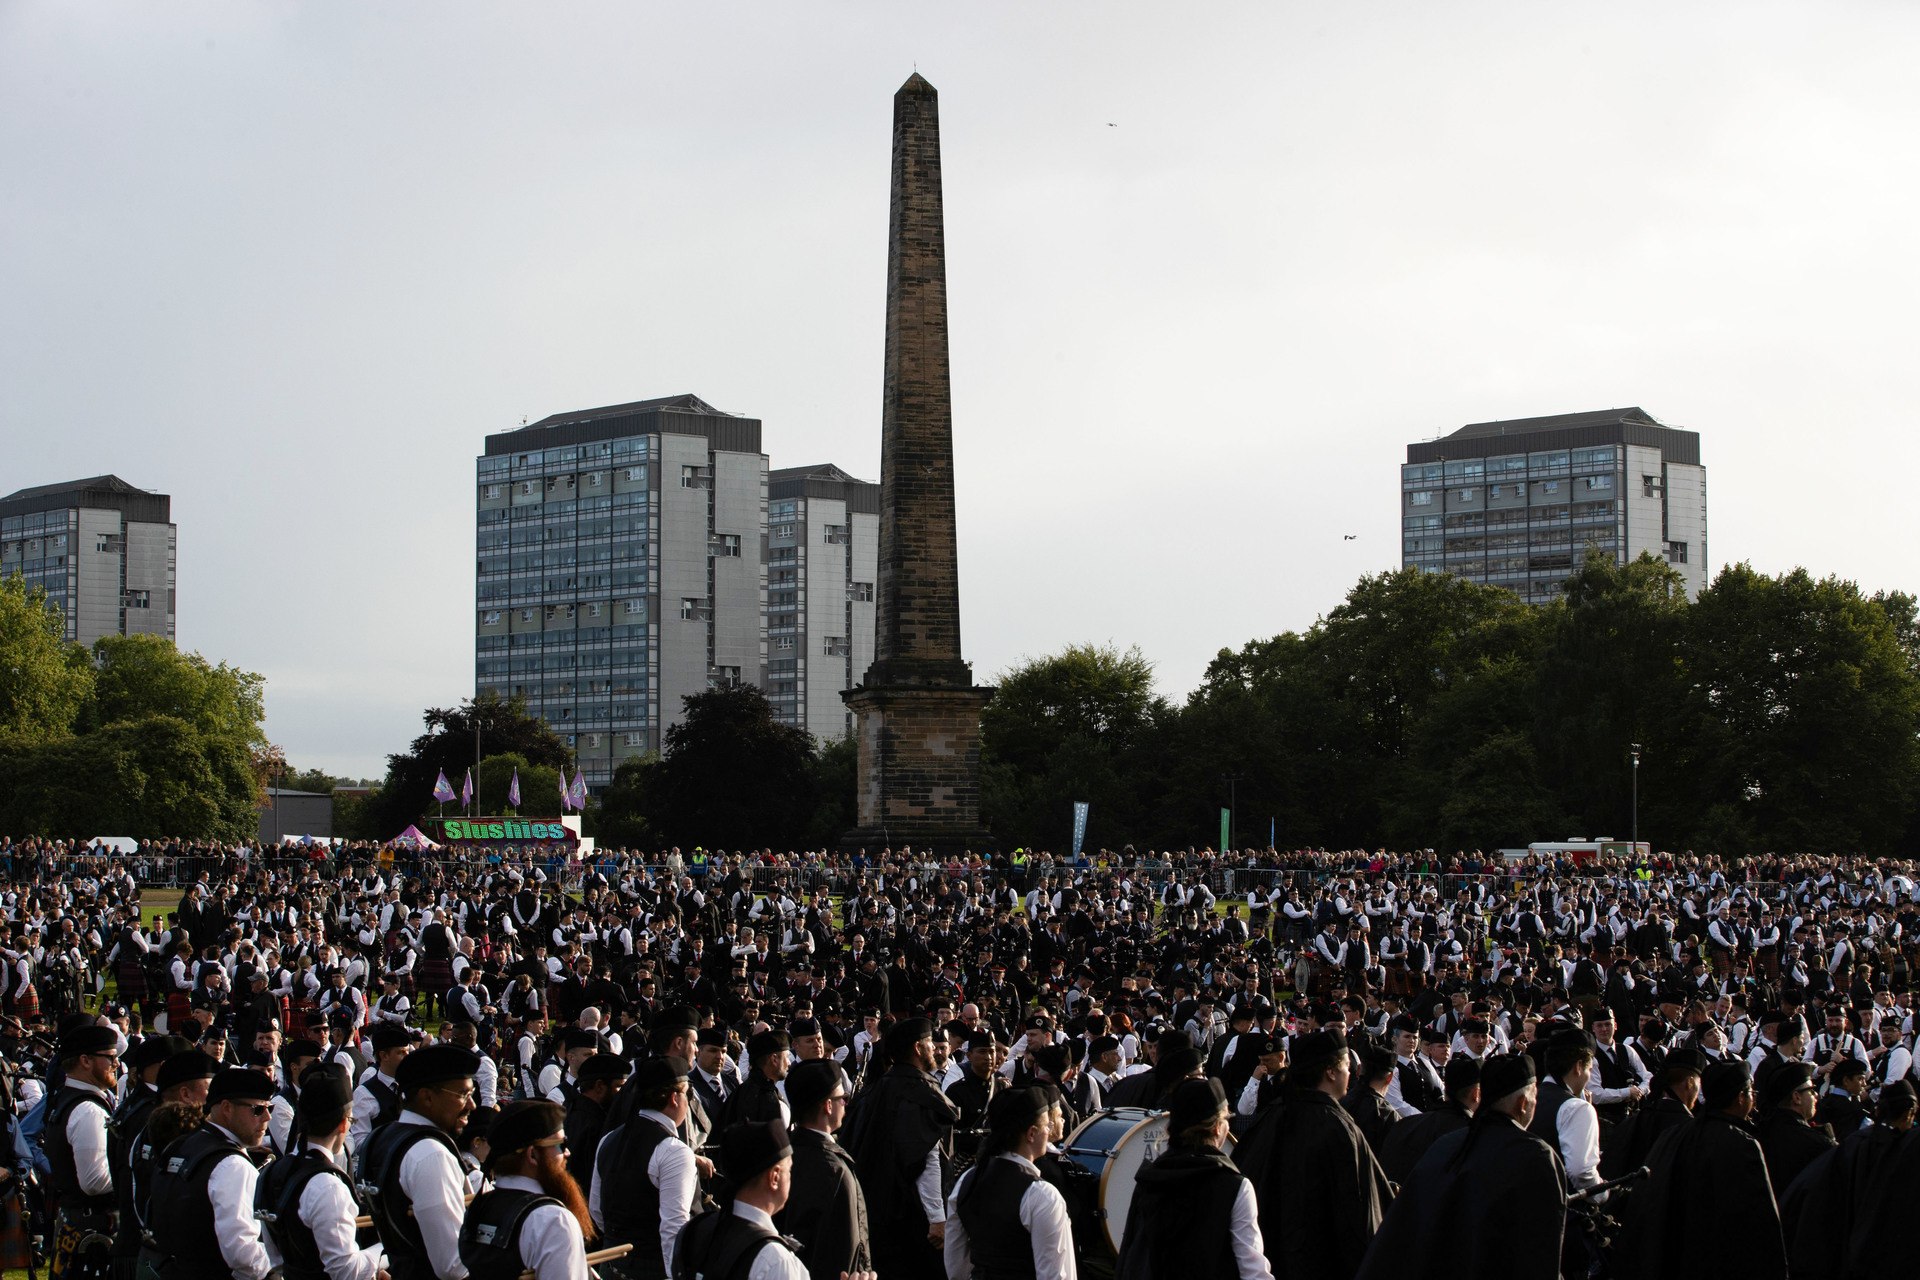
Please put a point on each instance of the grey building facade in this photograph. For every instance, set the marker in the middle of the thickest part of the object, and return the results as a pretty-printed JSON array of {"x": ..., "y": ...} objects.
[
  {"x": 620, "y": 567},
  {"x": 823, "y": 557},
  {"x": 105, "y": 552},
  {"x": 1522, "y": 503}
]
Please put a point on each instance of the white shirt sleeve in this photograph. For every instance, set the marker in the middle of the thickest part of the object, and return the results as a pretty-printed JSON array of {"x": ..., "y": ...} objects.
[
  {"x": 1249, "y": 1249},
  {"x": 230, "y": 1188},
  {"x": 87, "y": 1137},
  {"x": 1397, "y": 1101},
  {"x": 280, "y": 1125},
  {"x": 361, "y": 1127},
  {"x": 550, "y": 1244},
  {"x": 434, "y": 1184},
  {"x": 1249, "y": 1097},
  {"x": 954, "y": 1250},
  {"x": 1043, "y": 1212},
  {"x": 672, "y": 1171},
  {"x": 928, "y": 1185},
  {"x": 327, "y": 1207},
  {"x": 1580, "y": 1142}
]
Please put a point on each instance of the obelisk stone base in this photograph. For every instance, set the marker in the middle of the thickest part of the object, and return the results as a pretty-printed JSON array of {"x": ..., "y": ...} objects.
[{"x": 919, "y": 769}]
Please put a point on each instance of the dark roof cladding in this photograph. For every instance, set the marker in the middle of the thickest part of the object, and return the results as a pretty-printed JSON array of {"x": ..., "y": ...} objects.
[
  {"x": 1631, "y": 425},
  {"x": 673, "y": 415},
  {"x": 106, "y": 493}
]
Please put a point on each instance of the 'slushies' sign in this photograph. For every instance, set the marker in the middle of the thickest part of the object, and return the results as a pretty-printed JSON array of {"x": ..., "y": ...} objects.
[{"x": 506, "y": 831}]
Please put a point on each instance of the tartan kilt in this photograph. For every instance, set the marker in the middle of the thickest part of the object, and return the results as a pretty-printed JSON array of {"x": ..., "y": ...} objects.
[
  {"x": 179, "y": 1008},
  {"x": 26, "y": 1003},
  {"x": 132, "y": 977},
  {"x": 434, "y": 977}
]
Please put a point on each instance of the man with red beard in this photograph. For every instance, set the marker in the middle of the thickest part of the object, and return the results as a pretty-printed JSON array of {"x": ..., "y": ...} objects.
[{"x": 535, "y": 1218}]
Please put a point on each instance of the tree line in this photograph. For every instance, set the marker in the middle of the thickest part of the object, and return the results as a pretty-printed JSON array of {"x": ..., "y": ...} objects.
[
  {"x": 1773, "y": 713},
  {"x": 128, "y": 737}
]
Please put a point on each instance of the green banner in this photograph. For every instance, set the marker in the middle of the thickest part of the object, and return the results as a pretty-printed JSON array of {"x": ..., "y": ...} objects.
[{"x": 1226, "y": 829}]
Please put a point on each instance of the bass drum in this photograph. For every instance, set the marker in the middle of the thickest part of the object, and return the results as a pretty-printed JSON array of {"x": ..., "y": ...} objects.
[{"x": 1113, "y": 1145}]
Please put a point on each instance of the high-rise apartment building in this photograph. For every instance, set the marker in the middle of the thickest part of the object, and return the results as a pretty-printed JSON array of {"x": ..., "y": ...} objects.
[
  {"x": 104, "y": 550},
  {"x": 621, "y": 567},
  {"x": 823, "y": 556},
  {"x": 1521, "y": 503}
]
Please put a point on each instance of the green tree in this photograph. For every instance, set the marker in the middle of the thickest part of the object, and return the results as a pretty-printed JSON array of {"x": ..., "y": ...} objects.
[
  {"x": 1610, "y": 675},
  {"x": 539, "y": 787},
  {"x": 44, "y": 681},
  {"x": 731, "y": 777},
  {"x": 1067, "y": 727},
  {"x": 154, "y": 776},
  {"x": 622, "y": 819},
  {"x": 448, "y": 745},
  {"x": 1806, "y": 712},
  {"x": 145, "y": 675},
  {"x": 836, "y": 775}
]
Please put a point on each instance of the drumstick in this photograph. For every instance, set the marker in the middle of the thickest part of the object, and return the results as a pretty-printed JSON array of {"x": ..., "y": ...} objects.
[
  {"x": 366, "y": 1219},
  {"x": 598, "y": 1255}
]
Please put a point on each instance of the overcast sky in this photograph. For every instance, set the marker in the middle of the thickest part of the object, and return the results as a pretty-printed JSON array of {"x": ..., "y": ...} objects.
[{"x": 1211, "y": 268}]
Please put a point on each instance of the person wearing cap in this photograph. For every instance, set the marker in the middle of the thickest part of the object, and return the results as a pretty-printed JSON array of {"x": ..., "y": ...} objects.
[
  {"x": 412, "y": 1170},
  {"x": 295, "y": 1057},
  {"x": 1563, "y": 1118},
  {"x": 1619, "y": 1077},
  {"x": 182, "y": 1081},
  {"x": 1320, "y": 1189},
  {"x": 904, "y": 1154},
  {"x": 142, "y": 1095},
  {"x": 1268, "y": 1081},
  {"x": 201, "y": 1210},
  {"x": 1844, "y": 1107},
  {"x": 600, "y": 1079},
  {"x": 759, "y": 1098},
  {"x": 1788, "y": 1136},
  {"x": 1003, "y": 1218},
  {"x": 646, "y": 1182},
  {"x": 1860, "y": 1203},
  {"x": 1676, "y": 1093},
  {"x": 305, "y": 1198},
  {"x": 1488, "y": 1199},
  {"x": 79, "y": 1180},
  {"x": 826, "y": 1210},
  {"x": 535, "y": 1217},
  {"x": 1409, "y": 1140},
  {"x": 1707, "y": 1206},
  {"x": 376, "y": 1103},
  {"x": 559, "y": 1079},
  {"x": 974, "y": 1089},
  {"x": 1366, "y": 1099},
  {"x": 739, "y": 1242},
  {"x": 1193, "y": 1211}
]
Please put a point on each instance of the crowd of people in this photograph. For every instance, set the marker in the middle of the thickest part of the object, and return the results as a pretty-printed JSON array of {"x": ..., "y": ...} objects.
[{"x": 378, "y": 1064}]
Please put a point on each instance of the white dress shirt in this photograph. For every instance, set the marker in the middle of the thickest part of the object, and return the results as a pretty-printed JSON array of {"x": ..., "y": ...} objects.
[
  {"x": 1042, "y": 1212},
  {"x": 230, "y": 1189},
  {"x": 436, "y": 1186},
  {"x": 1249, "y": 1248},
  {"x": 87, "y": 1138},
  {"x": 673, "y": 1173},
  {"x": 774, "y": 1261},
  {"x": 550, "y": 1241},
  {"x": 328, "y": 1210}
]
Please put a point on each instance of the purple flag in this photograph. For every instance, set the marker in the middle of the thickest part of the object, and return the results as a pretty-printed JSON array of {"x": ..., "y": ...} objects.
[
  {"x": 442, "y": 789},
  {"x": 579, "y": 793},
  {"x": 466, "y": 789},
  {"x": 566, "y": 796},
  {"x": 513, "y": 790}
]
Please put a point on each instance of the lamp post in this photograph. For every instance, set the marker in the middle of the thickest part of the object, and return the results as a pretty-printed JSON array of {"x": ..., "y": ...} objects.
[{"x": 1635, "y": 747}]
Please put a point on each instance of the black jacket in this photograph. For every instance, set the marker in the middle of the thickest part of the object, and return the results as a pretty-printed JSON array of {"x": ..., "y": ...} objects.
[{"x": 1488, "y": 1199}]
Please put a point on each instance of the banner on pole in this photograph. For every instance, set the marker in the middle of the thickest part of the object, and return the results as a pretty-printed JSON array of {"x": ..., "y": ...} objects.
[
  {"x": 1079, "y": 825},
  {"x": 1226, "y": 828}
]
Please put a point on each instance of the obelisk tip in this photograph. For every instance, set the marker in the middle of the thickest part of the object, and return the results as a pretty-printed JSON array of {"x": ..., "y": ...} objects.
[{"x": 917, "y": 86}]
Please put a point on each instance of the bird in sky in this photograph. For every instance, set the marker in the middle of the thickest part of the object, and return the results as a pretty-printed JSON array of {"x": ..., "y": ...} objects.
[{"x": 1348, "y": 537}]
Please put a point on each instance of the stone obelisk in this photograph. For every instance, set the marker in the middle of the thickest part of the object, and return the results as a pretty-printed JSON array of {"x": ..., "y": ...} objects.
[{"x": 917, "y": 712}]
